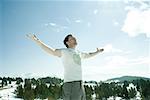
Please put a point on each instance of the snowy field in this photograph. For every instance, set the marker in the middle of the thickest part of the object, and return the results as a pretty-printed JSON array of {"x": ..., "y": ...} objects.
[{"x": 8, "y": 93}]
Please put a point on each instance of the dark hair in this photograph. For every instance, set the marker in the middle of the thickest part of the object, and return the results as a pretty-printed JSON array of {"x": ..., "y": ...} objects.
[{"x": 66, "y": 40}]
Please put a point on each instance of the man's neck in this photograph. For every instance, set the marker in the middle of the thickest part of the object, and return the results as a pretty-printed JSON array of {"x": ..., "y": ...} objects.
[{"x": 72, "y": 47}]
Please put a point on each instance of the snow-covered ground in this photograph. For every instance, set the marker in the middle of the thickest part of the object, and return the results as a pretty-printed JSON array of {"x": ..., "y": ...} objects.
[
  {"x": 138, "y": 96},
  {"x": 7, "y": 93}
]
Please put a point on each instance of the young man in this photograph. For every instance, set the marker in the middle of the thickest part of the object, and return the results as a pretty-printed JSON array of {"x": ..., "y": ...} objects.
[{"x": 73, "y": 88}]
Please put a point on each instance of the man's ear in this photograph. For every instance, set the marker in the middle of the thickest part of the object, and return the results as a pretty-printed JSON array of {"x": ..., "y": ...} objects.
[{"x": 67, "y": 43}]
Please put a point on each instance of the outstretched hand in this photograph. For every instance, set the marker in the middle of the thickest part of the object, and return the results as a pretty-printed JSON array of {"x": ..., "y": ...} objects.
[
  {"x": 99, "y": 50},
  {"x": 32, "y": 36}
]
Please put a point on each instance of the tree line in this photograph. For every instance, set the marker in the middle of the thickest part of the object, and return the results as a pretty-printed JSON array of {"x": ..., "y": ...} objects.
[
  {"x": 51, "y": 88},
  {"x": 105, "y": 90}
]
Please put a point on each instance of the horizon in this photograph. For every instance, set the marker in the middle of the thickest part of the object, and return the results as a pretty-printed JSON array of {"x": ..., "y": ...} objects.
[
  {"x": 120, "y": 27},
  {"x": 110, "y": 79}
]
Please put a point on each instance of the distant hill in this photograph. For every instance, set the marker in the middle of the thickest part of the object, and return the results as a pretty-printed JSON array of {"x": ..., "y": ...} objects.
[{"x": 126, "y": 78}]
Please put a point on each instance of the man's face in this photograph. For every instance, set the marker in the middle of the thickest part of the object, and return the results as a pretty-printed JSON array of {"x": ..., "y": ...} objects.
[{"x": 72, "y": 41}]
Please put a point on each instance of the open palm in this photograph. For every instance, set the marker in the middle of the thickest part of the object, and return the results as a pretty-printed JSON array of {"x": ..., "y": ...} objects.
[
  {"x": 32, "y": 36},
  {"x": 100, "y": 50}
]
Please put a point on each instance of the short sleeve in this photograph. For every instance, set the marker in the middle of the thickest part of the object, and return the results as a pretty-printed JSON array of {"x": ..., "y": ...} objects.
[
  {"x": 60, "y": 50},
  {"x": 84, "y": 55}
]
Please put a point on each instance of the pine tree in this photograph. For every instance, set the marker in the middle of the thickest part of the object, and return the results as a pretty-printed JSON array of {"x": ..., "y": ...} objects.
[
  {"x": 131, "y": 92},
  {"x": 89, "y": 91},
  {"x": 19, "y": 91},
  {"x": 28, "y": 91},
  {"x": 55, "y": 90},
  {"x": 125, "y": 92},
  {"x": 41, "y": 91},
  {"x": 19, "y": 80}
]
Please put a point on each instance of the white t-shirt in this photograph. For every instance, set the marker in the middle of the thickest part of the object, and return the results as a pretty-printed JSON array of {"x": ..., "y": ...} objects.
[{"x": 71, "y": 60}]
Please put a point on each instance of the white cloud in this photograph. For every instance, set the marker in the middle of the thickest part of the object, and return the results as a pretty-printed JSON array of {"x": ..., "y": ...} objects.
[
  {"x": 140, "y": 60},
  {"x": 89, "y": 24},
  {"x": 137, "y": 22},
  {"x": 56, "y": 27},
  {"x": 110, "y": 48},
  {"x": 116, "y": 23},
  {"x": 52, "y": 24},
  {"x": 115, "y": 61},
  {"x": 127, "y": 8},
  {"x": 78, "y": 21},
  {"x": 137, "y": 4},
  {"x": 118, "y": 60},
  {"x": 68, "y": 20},
  {"x": 46, "y": 24},
  {"x": 126, "y": 1},
  {"x": 73, "y": 20},
  {"x": 138, "y": 19},
  {"x": 95, "y": 11},
  {"x": 117, "y": 66}
]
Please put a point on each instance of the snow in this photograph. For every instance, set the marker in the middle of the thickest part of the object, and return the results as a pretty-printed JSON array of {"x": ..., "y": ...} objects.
[
  {"x": 116, "y": 81},
  {"x": 90, "y": 84},
  {"x": 138, "y": 96},
  {"x": 131, "y": 85},
  {"x": 116, "y": 98},
  {"x": 7, "y": 93}
]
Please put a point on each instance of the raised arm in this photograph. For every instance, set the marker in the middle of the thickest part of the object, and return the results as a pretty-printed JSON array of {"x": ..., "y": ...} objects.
[
  {"x": 91, "y": 54},
  {"x": 54, "y": 52}
]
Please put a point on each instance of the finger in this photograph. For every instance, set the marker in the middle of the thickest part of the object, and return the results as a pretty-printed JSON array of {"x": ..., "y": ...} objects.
[
  {"x": 27, "y": 36},
  {"x": 34, "y": 35},
  {"x": 97, "y": 48},
  {"x": 102, "y": 49},
  {"x": 31, "y": 34}
]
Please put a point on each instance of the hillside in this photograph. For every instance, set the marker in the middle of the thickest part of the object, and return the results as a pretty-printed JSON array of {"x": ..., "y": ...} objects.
[{"x": 127, "y": 78}]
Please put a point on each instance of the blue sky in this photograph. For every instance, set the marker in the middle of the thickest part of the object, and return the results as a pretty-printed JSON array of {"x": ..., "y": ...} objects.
[{"x": 121, "y": 27}]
